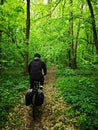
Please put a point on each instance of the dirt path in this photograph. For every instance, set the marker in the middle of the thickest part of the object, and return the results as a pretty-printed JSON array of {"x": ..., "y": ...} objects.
[{"x": 50, "y": 116}]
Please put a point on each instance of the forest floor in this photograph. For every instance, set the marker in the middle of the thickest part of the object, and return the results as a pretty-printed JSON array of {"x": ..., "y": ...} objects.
[{"x": 50, "y": 116}]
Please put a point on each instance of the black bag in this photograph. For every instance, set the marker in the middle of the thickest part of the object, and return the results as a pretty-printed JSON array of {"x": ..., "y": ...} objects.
[
  {"x": 28, "y": 97},
  {"x": 39, "y": 98}
]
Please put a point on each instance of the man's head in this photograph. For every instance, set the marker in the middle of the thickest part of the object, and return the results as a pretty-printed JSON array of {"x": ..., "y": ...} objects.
[{"x": 37, "y": 55}]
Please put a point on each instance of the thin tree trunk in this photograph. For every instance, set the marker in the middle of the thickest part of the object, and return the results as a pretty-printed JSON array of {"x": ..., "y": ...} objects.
[
  {"x": 93, "y": 25},
  {"x": 27, "y": 36},
  {"x": 71, "y": 50},
  {"x": 1, "y": 2},
  {"x": 77, "y": 36}
]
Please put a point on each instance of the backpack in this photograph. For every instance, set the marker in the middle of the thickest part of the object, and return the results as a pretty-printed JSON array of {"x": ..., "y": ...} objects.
[{"x": 28, "y": 97}]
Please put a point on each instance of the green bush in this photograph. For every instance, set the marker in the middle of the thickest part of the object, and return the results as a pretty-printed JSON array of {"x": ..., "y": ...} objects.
[
  {"x": 81, "y": 92},
  {"x": 12, "y": 86}
]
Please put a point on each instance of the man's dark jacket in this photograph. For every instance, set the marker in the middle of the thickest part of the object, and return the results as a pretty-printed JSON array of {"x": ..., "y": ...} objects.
[{"x": 37, "y": 69}]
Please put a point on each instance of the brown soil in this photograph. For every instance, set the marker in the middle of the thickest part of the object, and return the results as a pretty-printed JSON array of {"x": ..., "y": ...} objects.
[{"x": 50, "y": 116}]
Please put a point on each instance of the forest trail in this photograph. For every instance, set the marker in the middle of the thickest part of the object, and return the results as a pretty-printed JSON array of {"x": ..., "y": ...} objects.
[{"x": 50, "y": 116}]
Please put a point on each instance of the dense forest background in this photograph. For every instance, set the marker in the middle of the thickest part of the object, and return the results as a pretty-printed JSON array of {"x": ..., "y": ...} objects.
[{"x": 65, "y": 33}]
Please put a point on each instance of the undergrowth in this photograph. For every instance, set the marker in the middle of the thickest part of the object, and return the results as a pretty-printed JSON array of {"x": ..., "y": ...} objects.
[
  {"x": 13, "y": 84},
  {"x": 80, "y": 89}
]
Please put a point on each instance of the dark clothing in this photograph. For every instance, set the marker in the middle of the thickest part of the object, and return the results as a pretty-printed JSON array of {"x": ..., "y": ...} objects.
[{"x": 37, "y": 69}]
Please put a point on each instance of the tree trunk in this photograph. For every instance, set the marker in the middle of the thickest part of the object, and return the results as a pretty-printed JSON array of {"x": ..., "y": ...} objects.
[
  {"x": 71, "y": 50},
  {"x": 27, "y": 36},
  {"x": 76, "y": 44},
  {"x": 93, "y": 25},
  {"x": 1, "y": 2}
]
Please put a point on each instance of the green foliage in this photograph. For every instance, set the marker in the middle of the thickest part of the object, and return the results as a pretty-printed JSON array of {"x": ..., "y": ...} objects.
[
  {"x": 11, "y": 32},
  {"x": 81, "y": 91},
  {"x": 50, "y": 36},
  {"x": 12, "y": 86}
]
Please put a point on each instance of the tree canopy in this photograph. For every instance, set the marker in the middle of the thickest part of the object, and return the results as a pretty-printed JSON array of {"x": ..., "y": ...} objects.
[{"x": 59, "y": 30}]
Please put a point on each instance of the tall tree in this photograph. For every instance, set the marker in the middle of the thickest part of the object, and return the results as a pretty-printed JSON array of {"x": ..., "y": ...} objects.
[
  {"x": 76, "y": 42},
  {"x": 27, "y": 36},
  {"x": 71, "y": 51},
  {"x": 1, "y": 2},
  {"x": 93, "y": 25}
]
